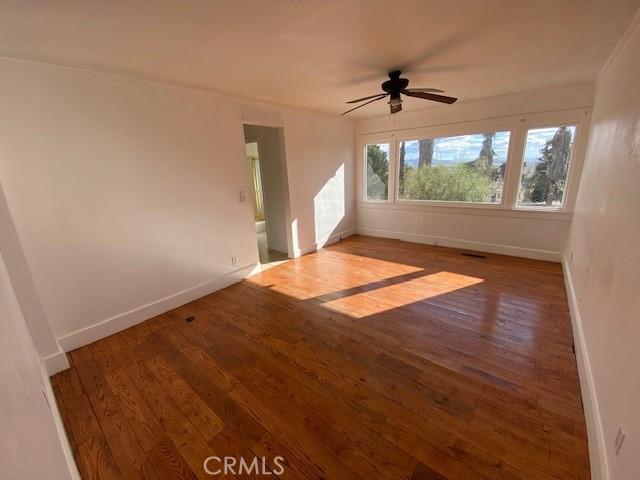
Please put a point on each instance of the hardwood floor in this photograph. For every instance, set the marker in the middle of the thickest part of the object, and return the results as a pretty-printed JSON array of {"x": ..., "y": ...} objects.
[{"x": 370, "y": 359}]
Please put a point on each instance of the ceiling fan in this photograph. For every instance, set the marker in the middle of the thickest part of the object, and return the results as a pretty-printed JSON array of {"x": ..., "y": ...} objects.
[{"x": 396, "y": 86}]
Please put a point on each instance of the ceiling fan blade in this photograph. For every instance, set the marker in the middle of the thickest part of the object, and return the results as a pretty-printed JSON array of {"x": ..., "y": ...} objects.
[
  {"x": 430, "y": 96},
  {"x": 378, "y": 95},
  {"x": 362, "y": 105},
  {"x": 424, "y": 90}
]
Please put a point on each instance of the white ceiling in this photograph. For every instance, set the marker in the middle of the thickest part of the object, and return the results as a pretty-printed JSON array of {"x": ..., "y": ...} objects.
[{"x": 319, "y": 53}]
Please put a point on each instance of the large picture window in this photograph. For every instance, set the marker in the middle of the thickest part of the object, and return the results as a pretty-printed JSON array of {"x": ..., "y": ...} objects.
[
  {"x": 545, "y": 166},
  {"x": 377, "y": 179},
  {"x": 464, "y": 168}
]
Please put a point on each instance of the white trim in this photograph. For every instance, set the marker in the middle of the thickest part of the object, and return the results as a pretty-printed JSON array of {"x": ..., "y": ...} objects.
[
  {"x": 447, "y": 203},
  {"x": 472, "y": 119},
  {"x": 512, "y": 250},
  {"x": 336, "y": 237},
  {"x": 87, "y": 335},
  {"x": 55, "y": 363},
  {"x": 595, "y": 431},
  {"x": 57, "y": 420},
  {"x": 475, "y": 209},
  {"x": 620, "y": 46}
]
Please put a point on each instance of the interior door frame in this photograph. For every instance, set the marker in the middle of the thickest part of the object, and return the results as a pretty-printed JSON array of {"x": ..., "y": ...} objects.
[{"x": 292, "y": 250}]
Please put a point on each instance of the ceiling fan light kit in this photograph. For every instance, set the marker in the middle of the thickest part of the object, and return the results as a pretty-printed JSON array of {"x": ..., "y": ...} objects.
[{"x": 394, "y": 88}]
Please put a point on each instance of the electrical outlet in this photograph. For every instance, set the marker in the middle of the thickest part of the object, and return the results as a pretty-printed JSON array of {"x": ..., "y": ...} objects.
[
  {"x": 620, "y": 439},
  {"x": 234, "y": 260}
]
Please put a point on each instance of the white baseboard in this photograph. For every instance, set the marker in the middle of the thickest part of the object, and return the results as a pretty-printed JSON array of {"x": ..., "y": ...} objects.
[
  {"x": 55, "y": 363},
  {"x": 74, "y": 474},
  {"x": 336, "y": 237},
  {"x": 533, "y": 253},
  {"x": 597, "y": 449},
  {"x": 128, "y": 319}
]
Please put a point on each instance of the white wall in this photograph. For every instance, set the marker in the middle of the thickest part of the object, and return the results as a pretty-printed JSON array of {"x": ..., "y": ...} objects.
[
  {"x": 29, "y": 444},
  {"x": 603, "y": 263},
  {"x": 274, "y": 187},
  {"x": 495, "y": 229},
  {"x": 125, "y": 193}
]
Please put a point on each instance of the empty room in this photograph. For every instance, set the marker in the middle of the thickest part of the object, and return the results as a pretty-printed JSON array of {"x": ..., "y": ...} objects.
[{"x": 338, "y": 239}]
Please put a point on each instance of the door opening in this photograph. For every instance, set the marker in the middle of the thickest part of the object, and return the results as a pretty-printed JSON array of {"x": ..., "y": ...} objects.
[{"x": 265, "y": 162}]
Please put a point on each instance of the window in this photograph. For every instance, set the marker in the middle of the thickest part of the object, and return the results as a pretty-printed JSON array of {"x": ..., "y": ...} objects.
[
  {"x": 545, "y": 165},
  {"x": 465, "y": 168},
  {"x": 377, "y": 186}
]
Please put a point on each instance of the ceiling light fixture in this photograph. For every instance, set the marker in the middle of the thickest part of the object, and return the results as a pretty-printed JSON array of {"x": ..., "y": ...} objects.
[{"x": 396, "y": 86}]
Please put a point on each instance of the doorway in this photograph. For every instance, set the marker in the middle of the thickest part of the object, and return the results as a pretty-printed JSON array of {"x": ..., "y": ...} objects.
[{"x": 265, "y": 158}]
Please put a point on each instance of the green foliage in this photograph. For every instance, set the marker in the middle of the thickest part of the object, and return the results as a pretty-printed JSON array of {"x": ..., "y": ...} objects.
[
  {"x": 537, "y": 188},
  {"x": 460, "y": 183},
  {"x": 377, "y": 173}
]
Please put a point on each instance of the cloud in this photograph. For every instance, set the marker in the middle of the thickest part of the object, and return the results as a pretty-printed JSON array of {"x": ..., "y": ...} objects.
[{"x": 459, "y": 149}]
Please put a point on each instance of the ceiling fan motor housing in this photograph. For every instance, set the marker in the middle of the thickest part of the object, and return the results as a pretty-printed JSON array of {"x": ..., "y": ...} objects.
[{"x": 395, "y": 84}]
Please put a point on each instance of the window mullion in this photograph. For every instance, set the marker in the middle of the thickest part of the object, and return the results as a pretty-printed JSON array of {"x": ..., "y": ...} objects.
[
  {"x": 515, "y": 159},
  {"x": 393, "y": 169}
]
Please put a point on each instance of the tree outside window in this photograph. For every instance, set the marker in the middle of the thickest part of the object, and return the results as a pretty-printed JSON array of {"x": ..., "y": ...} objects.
[
  {"x": 378, "y": 171},
  {"x": 545, "y": 166}
]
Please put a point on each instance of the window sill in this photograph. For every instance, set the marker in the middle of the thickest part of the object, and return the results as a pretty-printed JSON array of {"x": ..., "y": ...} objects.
[{"x": 456, "y": 208}]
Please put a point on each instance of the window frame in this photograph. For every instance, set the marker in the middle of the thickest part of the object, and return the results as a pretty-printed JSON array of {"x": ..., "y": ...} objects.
[
  {"x": 517, "y": 126},
  {"x": 520, "y": 167},
  {"x": 364, "y": 165}
]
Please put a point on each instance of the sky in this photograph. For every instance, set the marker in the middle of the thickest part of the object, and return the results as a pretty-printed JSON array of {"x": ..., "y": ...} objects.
[
  {"x": 536, "y": 140},
  {"x": 465, "y": 148}
]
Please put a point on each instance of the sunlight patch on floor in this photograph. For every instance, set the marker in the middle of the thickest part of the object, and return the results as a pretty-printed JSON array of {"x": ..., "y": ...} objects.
[
  {"x": 401, "y": 294},
  {"x": 342, "y": 270}
]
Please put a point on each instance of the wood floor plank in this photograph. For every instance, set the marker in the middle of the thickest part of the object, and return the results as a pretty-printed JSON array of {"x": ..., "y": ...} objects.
[
  {"x": 95, "y": 460},
  {"x": 141, "y": 420},
  {"x": 129, "y": 456},
  {"x": 169, "y": 463},
  {"x": 371, "y": 358},
  {"x": 78, "y": 416},
  {"x": 189, "y": 443},
  {"x": 198, "y": 413},
  {"x": 422, "y": 472}
]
